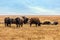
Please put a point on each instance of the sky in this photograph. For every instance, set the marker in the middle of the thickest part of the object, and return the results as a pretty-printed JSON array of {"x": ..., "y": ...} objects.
[{"x": 29, "y": 7}]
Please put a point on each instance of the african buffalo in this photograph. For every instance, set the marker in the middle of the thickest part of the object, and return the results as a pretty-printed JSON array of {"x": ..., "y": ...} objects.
[
  {"x": 7, "y": 21},
  {"x": 55, "y": 23},
  {"x": 19, "y": 21},
  {"x": 25, "y": 19},
  {"x": 46, "y": 23},
  {"x": 35, "y": 21}
]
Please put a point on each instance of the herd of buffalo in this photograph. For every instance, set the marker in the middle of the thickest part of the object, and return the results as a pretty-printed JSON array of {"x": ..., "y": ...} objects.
[{"x": 19, "y": 22}]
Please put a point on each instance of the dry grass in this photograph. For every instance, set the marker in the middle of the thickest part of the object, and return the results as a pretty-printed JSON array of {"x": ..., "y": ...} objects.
[{"x": 44, "y": 32}]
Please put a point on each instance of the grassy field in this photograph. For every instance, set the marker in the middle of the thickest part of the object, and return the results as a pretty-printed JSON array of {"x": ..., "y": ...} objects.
[{"x": 43, "y": 32}]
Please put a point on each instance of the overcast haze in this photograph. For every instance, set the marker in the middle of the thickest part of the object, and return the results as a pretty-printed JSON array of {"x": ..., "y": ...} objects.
[{"x": 29, "y": 7}]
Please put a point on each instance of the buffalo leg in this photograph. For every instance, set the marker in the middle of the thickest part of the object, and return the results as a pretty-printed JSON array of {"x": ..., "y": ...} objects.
[
  {"x": 30, "y": 24},
  {"x": 17, "y": 25},
  {"x": 7, "y": 24},
  {"x": 36, "y": 25},
  {"x": 21, "y": 25}
]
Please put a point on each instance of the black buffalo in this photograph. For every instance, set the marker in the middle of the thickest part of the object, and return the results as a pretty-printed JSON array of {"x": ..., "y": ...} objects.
[
  {"x": 13, "y": 21},
  {"x": 19, "y": 22},
  {"x": 7, "y": 21},
  {"x": 46, "y": 23},
  {"x": 25, "y": 19},
  {"x": 35, "y": 21},
  {"x": 55, "y": 23}
]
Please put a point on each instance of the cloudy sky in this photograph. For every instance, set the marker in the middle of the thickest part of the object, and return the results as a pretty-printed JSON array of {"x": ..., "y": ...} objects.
[{"x": 29, "y": 7}]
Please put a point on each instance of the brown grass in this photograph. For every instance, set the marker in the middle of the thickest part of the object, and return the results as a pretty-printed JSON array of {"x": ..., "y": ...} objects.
[{"x": 44, "y": 32}]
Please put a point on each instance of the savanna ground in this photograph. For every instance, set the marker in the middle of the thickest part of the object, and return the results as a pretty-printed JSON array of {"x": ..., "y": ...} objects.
[{"x": 43, "y": 32}]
